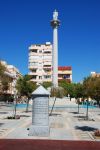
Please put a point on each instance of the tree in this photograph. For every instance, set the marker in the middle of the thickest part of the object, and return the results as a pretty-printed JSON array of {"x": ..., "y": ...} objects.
[
  {"x": 71, "y": 89},
  {"x": 25, "y": 87},
  {"x": 57, "y": 92},
  {"x": 4, "y": 80},
  {"x": 64, "y": 85},
  {"x": 88, "y": 86},
  {"x": 2, "y": 69},
  {"x": 5, "y": 83},
  {"x": 78, "y": 93},
  {"x": 46, "y": 84},
  {"x": 95, "y": 89}
]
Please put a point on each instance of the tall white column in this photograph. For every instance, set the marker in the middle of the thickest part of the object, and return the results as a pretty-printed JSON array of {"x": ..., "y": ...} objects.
[
  {"x": 55, "y": 57},
  {"x": 55, "y": 23}
]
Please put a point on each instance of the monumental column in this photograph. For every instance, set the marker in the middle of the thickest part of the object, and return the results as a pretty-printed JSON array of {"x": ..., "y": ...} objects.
[{"x": 55, "y": 23}]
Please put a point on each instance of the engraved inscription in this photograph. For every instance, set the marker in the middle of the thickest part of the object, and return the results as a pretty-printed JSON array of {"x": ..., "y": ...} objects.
[{"x": 40, "y": 111}]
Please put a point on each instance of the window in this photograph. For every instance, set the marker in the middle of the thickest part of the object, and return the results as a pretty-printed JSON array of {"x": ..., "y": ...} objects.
[
  {"x": 47, "y": 77},
  {"x": 47, "y": 66},
  {"x": 47, "y": 70},
  {"x": 66, "y": 76},
  {"x": 33, "y": 77},
  {"x": 47, "y": 52},
  {"x": 40, "y": 77},
  {"x": 34, "y": 50},
  {"x": 33, "y": 70},
  {"x": 40, "y": 51}
]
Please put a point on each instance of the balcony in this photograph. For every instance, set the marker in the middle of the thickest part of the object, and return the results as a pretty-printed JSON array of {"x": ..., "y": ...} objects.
[
  {"x": 33, "y": 73},
  {"x": 65, "y": 72},
  {"x": 47, "y": 63},
  {"x": 64, "y": 76},
  {"x": 33, "y": 61},
  {"x": 47, "y": 80},
  {"x": 32, "y": 66},
  {"x": 47, "y": 54},
  {"x": 47, "y": 66},
  {"x": 47, "y": 73},
  {"x": 37, "y": 80},
  {"x": 33, "y": 54}
]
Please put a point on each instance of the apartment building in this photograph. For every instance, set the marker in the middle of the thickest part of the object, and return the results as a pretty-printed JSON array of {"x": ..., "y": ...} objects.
[
  {"x": 65, "y": 72},
  {"x": 95, "y": 74},
  {"x": 13, "y": 73},
  {"x": 40, "y": 64}
]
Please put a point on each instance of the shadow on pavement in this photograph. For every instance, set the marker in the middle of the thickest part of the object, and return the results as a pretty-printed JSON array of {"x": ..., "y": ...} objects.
[
  {"x": 54, "y": 114},
  {"x": 26, "y": 112},
  {"x": 3, "y": 112},
  {"x": 82, "y": 117},
  {"x": 1, "y": 124},
  {"x": 85, "y": 128},
  {"x": 24, "y": 116},
  {"x": 76, "y": 113}
]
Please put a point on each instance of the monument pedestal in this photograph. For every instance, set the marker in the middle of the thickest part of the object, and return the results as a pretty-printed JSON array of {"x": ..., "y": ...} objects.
[
  {"x": 40, "y": 113},
  {"x": 39, "y": 131}
]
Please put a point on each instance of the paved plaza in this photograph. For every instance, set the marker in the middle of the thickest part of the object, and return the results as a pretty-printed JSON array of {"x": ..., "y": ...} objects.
[{"x": 65, "y": 123}]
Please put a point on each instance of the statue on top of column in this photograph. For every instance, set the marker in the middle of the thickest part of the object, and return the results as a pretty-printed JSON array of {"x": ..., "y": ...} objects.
[{"x": 55, "y": 15}]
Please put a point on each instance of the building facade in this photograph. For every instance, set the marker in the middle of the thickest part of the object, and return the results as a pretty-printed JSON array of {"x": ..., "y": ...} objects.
[
  {"x": 40, "y": 64},
  {"x": 95, "y": 74},
  {"x": 13, "y": 73},
  {"x": 65, "y": 73}
]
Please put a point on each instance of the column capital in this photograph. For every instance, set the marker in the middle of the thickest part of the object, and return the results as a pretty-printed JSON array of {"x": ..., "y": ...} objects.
[{"x": 55, "y": 23}]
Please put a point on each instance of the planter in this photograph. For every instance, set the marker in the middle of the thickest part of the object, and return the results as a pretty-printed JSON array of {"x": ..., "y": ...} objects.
[{"x": 97, "y": 133}]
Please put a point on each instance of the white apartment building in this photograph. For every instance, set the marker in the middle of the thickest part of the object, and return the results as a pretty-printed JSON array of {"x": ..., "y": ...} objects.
[{"x": 40, "y": 62}]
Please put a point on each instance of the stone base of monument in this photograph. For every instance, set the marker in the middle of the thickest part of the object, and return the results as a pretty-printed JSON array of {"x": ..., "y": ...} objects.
[
  {"x": 40, "y": 113},
  {"x": 42, "y": 131}
]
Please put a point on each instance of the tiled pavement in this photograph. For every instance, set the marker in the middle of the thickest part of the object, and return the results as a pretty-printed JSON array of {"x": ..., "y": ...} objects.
[{"x": 65, "y": 123}]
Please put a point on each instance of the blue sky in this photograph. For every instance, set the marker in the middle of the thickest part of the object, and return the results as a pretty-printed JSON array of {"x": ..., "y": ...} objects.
[{"x": 26, "y": 22}]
